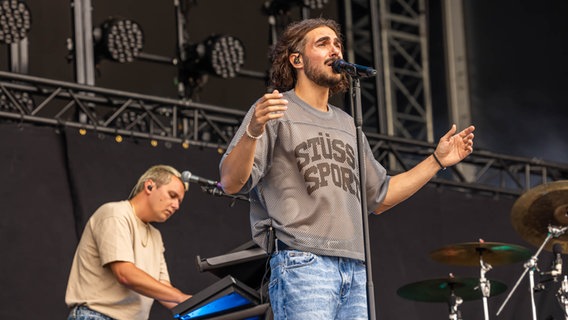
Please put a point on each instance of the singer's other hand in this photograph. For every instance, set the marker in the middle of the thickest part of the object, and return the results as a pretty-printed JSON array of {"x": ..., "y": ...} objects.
[{"x": 269, "y": 107}]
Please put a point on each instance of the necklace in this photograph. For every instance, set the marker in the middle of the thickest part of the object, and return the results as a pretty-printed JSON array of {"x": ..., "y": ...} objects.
[
  {"x": 145, "y": 243},
  {"x": 147, "y": 225}
]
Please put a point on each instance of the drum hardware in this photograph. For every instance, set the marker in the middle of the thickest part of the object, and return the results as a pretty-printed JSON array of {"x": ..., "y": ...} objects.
[
  {"x": 469, "y": 253},
  {"x": 484, "y": 284},
  {"x": 455, "y": 302},
  {"x": 540, "y": 216},
  {"x": 537, "y": 209},
  {"x": 562, "y": 296},
  {"x": 483, "y": 254},
  {"x": 531, "y": 265},
  {"x": 451, "y": 290}
]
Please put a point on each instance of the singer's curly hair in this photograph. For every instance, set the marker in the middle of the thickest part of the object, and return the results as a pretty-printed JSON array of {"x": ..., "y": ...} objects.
[{"x": 293, "y": 40}]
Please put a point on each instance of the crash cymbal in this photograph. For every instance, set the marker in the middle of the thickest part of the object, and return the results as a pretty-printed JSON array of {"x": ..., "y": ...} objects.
[
  {"x": 536, "y": 209},
  {"x": 468, "y": 253},
  {"x": 440, "y": 290}
]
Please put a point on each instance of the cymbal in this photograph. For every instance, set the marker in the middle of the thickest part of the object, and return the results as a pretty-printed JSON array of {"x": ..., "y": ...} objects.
[
  {"x": 440, "y": 290},
  {"x": 467, "y": 253},
  {"x": 536, "y": 209}
]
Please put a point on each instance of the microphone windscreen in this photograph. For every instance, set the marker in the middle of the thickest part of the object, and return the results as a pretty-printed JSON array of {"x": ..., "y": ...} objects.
[{"x": 185, "y": 176}]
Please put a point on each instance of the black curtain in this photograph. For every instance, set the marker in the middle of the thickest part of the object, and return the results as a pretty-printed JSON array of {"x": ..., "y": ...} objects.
[
  {"x": 54, "y": 179},
  {"x": 36, "y": 226}
]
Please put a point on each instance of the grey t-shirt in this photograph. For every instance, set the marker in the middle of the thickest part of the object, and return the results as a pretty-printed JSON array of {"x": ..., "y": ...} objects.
[{"x": 305, "y": 181}]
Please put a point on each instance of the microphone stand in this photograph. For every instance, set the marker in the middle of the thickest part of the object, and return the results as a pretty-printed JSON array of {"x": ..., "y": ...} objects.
[
  {"x": 216, "y": 192},
  {"x": 355, "y": 102},
  {"x": 531, "y": 265}
]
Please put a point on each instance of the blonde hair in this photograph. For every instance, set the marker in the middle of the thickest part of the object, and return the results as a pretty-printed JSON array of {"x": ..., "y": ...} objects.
[{"x": 160, "y": 175}]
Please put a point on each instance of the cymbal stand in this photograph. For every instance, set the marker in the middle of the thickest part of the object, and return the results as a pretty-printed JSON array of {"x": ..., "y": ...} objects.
[
  {"x": 455, "y": 301},
  {"x": 562, "y": 296},
  {"x": 531, "y": 265},
  {"x": 484, "y": 284}
]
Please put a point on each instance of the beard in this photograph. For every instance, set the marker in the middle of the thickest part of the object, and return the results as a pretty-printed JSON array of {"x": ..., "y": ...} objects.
[{"x": 319, "y": 76}]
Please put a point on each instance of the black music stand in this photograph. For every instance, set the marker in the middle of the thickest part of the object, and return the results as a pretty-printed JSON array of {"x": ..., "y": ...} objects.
[
  {"x": 246, "y": 263},
  {"x": 226, "y": 299}
]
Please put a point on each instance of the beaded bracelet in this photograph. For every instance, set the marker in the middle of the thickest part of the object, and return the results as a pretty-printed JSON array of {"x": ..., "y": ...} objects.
[
  {"x": 250, "y": 135},
  {"x": 438, "y": 160}
]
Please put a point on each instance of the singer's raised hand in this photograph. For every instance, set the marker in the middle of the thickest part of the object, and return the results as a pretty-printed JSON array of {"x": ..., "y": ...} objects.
[
  {"x": 454, "y": 147},
  {"x": 269, "y": 107}
]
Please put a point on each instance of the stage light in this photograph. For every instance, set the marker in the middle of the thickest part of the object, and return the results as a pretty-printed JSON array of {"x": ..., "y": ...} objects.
[
  {"x": 206, "y": 136},
  {"x": 15, "y": 21},
  {"x": 275, "y": 7},
  {"x": 16, "y": 101},
  {"x": 315, "y": 4},
  {"x": 118, "y": 39},
  {"x": 220, "y": 55},
  {"x": 130, "y": 121}
]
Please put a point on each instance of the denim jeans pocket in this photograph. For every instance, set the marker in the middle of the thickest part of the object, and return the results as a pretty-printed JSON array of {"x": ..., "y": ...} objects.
[{"x": 297, "y": 259}]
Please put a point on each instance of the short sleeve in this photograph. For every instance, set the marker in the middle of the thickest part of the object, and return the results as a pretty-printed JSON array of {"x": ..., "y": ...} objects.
[{"x": 113, "y": 236}]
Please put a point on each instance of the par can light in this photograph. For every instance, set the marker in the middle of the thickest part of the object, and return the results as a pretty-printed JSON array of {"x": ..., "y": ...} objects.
[
  {"x": 220, "y": 55},
  {"x": 120, "y": 40},
  {"x": 15, "y": 21}
]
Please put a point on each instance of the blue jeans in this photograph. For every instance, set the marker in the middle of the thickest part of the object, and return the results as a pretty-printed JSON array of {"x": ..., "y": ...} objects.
[
  {"x": 84, "y": 313},
  {"x": 307, "y": 286}
]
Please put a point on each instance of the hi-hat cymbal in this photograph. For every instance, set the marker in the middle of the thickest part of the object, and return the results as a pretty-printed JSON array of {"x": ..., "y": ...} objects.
[
  {"x": 536, "y": 209},
  {"x": 468, "y": 253},
  {"x": 440, "y": 290}
]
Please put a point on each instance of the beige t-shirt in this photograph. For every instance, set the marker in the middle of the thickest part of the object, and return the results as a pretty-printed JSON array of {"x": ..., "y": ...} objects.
[{"x": 115, "y": 233}]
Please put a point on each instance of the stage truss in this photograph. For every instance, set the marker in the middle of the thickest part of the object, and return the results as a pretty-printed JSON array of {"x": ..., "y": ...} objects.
[{"x": 34, "y": 100}]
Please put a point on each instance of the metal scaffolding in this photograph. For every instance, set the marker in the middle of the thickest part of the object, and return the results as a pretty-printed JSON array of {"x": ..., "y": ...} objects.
[
  {"x": 362, "y": 46},
  {"x": 115, "y": 112},
  {"x": 132, "y": 115},
  {"x": 406, "y": 70},
  {"x": 393, "y": 38}
]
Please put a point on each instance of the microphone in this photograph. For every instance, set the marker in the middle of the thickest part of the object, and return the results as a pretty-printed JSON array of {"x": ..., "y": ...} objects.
[
  {"x": 187, "y": 177},
  {"x": 354, "y": 70},
  {"x": 557, "y": 267}
]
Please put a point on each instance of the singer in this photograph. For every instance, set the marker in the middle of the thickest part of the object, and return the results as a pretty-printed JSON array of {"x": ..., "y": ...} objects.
[{"x": 296, "y": 154}]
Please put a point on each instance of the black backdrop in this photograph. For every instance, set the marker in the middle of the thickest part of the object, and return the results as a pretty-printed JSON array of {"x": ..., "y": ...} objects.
[{"x": 54, "y": 179}]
